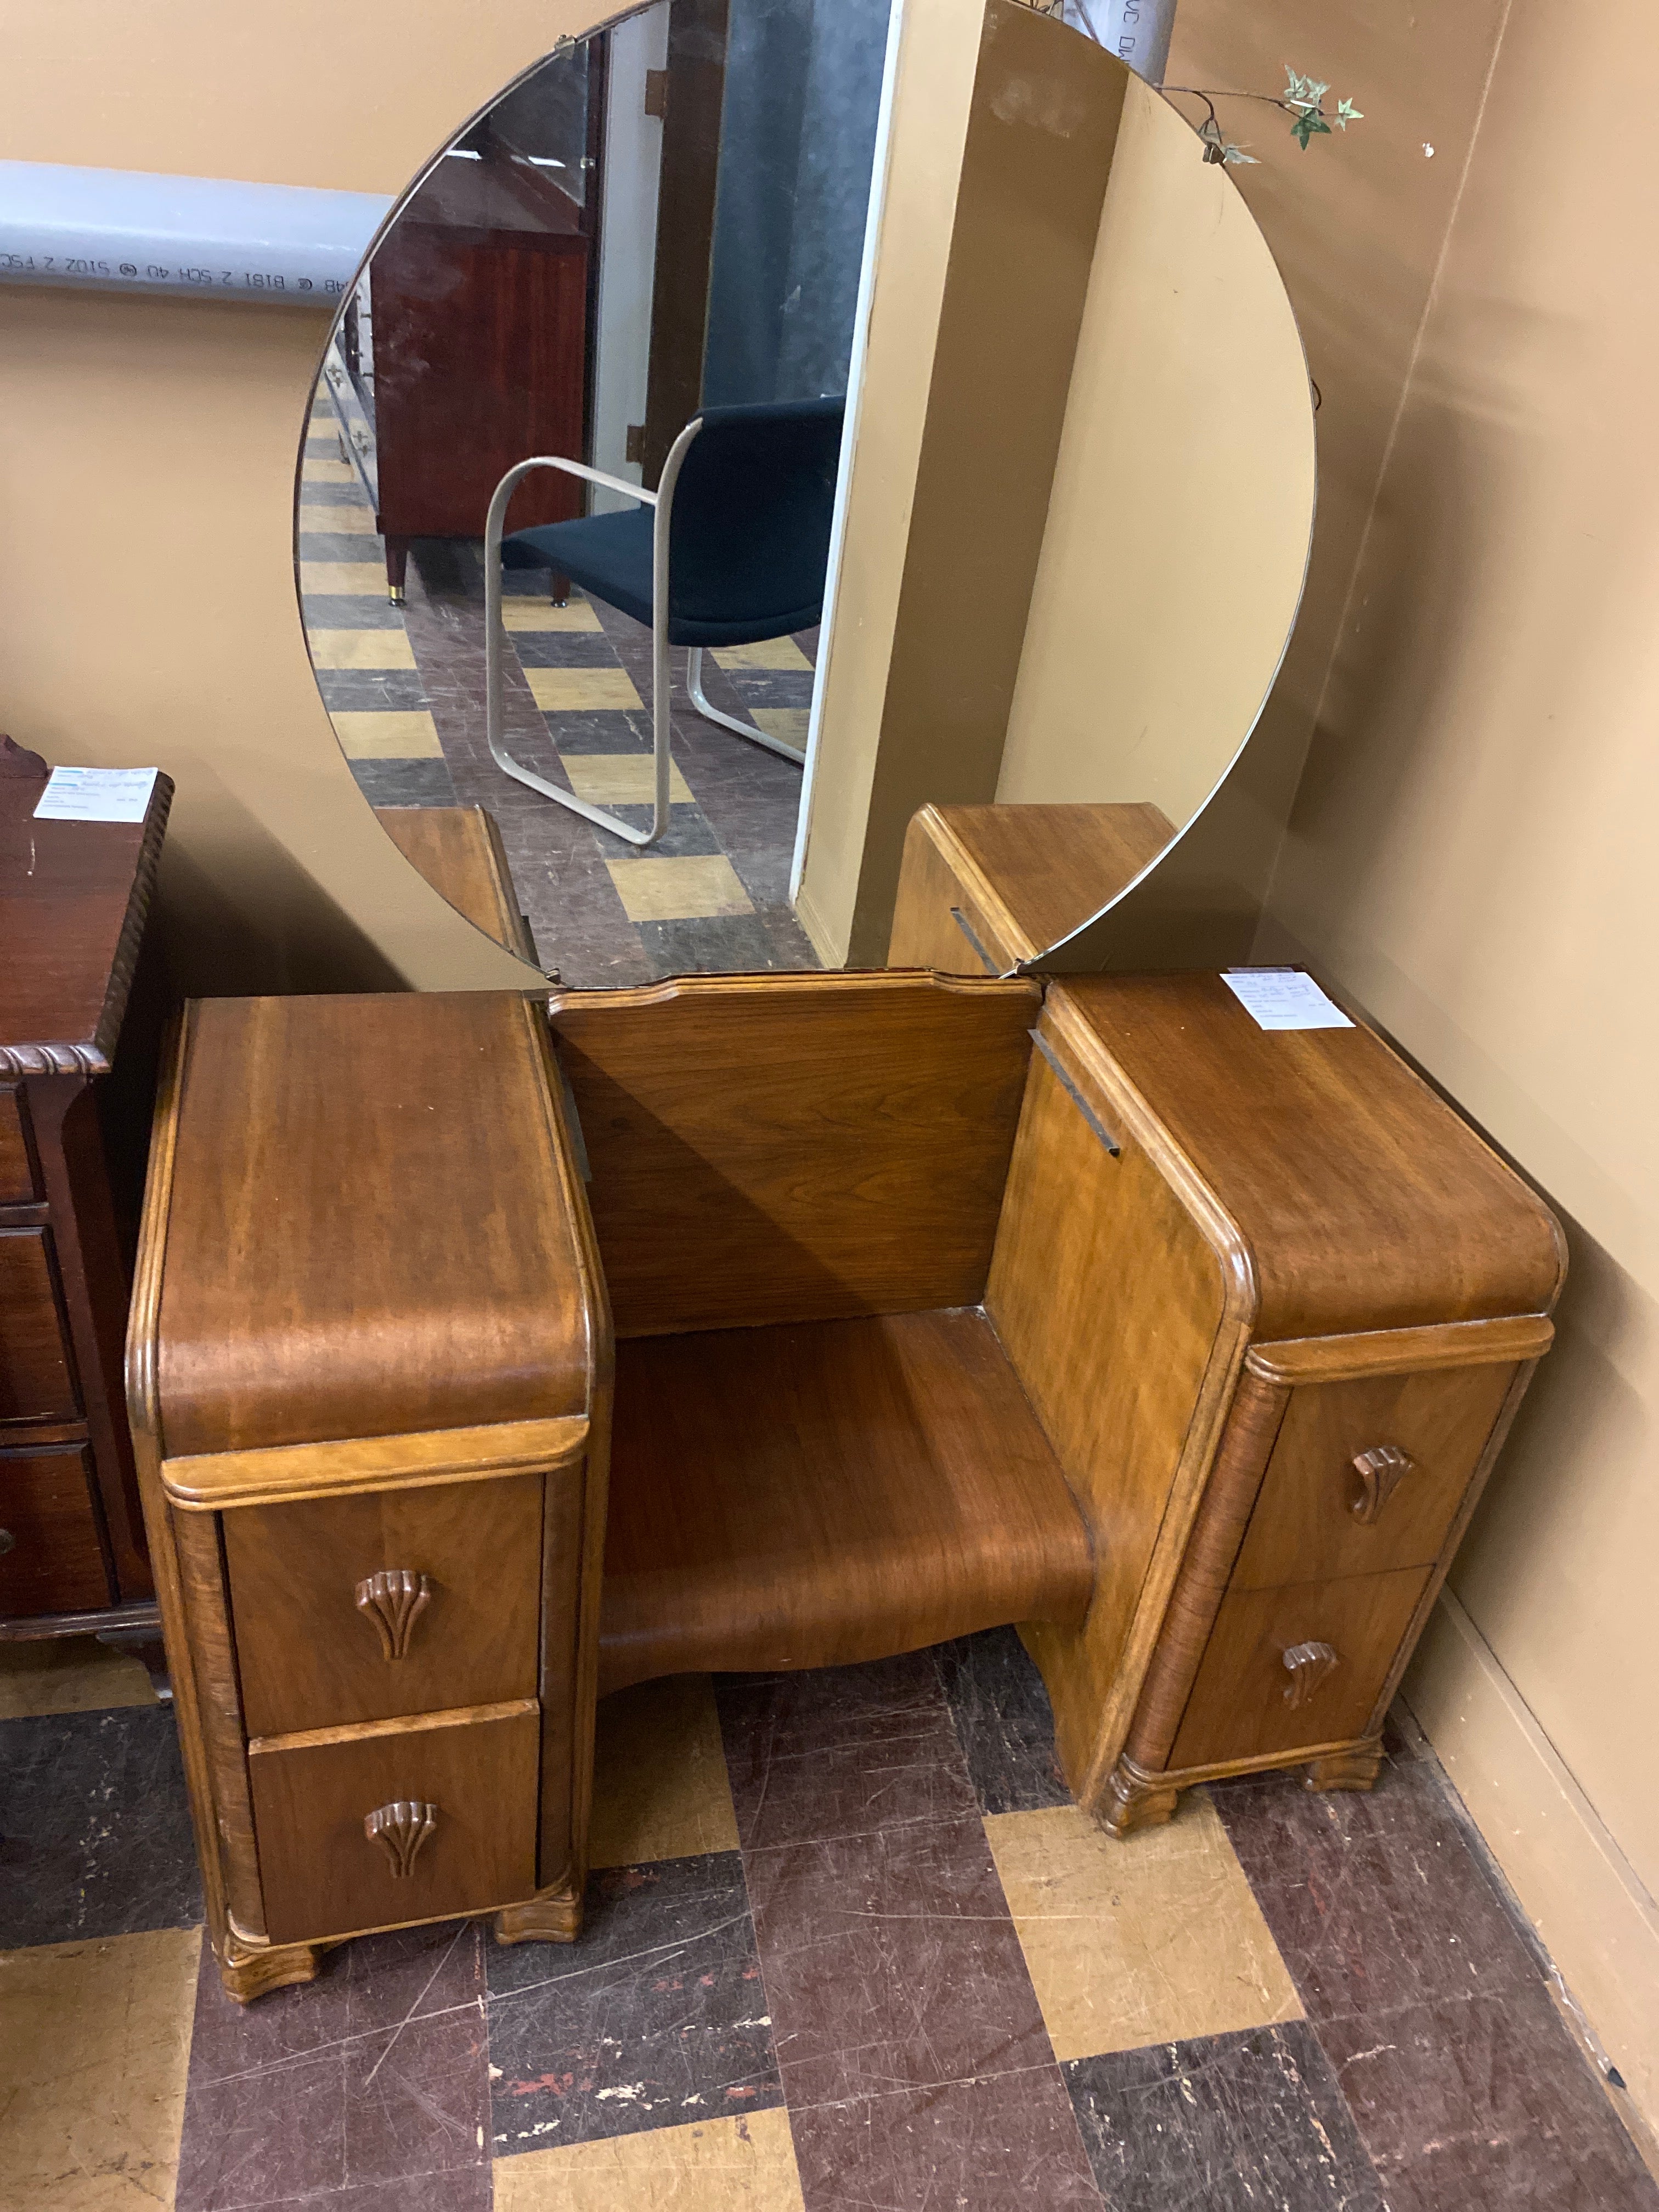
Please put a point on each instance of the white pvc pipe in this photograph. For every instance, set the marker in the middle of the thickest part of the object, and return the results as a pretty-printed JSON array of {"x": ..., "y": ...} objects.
[
  {"x": 131, "y": 231},
  {"x": 1138, "y": 31}
]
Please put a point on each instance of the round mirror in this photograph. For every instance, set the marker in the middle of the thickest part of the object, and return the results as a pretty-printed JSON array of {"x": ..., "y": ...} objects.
[{"x": 567, "y": 504}]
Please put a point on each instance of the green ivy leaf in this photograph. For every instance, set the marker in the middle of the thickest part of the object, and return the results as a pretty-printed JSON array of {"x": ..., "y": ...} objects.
[
  {"x": 1310, "y": 125},
  {"x": 1347, "y": 112},
  {"x": 1234, "y": 155},
  {"x": 1303, "y": 91}
]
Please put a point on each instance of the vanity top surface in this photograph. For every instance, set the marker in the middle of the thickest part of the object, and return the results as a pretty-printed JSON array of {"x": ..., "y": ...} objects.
[
  {"x": 372, "y": 1224},
  {"x": 1365, "y": 1201},
  {"x": 73, "y": 897}
]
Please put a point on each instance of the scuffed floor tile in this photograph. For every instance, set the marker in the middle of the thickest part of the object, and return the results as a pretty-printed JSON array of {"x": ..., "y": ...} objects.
[
  {"x": 95, "y": 1827},
  {"x": 656, "y": 2017},
  {"x": 1222, "y": 2122},
  {"x": 659, "y": 1784},
  {"x": 94, "y": 2046},
  {"x": 747, "y": 2164},
  {"x": 1003, "y": 1722},
  {"x": 1137, "y": 1943},
  {"x": 69, "y": 1674}
]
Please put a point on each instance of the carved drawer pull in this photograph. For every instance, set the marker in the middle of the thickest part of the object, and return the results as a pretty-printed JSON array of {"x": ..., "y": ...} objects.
[
  {"x": 1309, "y": 1666},
  {"x": 1381, "y": 1471},
  {"x": 400, "y": 1829},
  {"x": 394, "y": 1600}
]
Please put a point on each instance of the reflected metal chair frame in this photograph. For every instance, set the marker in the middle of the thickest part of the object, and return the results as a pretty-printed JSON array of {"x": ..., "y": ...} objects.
[{"x": 661, "y": 687}]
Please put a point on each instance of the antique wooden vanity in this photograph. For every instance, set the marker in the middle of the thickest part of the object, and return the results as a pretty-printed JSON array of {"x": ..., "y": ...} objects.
[{"x": 933, "y": 1303}]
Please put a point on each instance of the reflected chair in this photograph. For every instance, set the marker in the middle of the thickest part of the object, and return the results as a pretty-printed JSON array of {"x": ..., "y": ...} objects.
[{"x": 731, "y": 548}]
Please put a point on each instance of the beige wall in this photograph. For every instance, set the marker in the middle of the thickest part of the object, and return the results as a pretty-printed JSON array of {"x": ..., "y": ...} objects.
[
  {"x": 147, "y": 453},
  {"x": 1471, "y": 855}
]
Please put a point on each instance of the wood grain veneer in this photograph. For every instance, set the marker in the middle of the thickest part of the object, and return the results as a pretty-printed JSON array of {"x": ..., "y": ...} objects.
[
  {"x": 326, "y": 1229},
  {"x": 324, "y": 1876},
  {"x": 310, "y": 1654},
  {"x": 771, "y": 1148},
  {"x": 55, "y": 1561},
  {"x": 813, "y": 1495},
  {"x": 983, "y": 888},
  {"x": 36, "y": 1384},
  {"x": 17, "y": 1184}
]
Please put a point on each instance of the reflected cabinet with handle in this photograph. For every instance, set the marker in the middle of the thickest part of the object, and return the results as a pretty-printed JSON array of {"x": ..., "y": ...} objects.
[{"x": 869, "y": 1311}]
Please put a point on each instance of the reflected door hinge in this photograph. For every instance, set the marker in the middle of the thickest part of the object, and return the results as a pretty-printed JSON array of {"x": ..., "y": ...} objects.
[
  {"x": 635, "y": 448},
  {"x": 656, "y": 92}
]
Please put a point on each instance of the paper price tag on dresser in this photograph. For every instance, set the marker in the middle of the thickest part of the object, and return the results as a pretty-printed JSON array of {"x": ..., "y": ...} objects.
[
  {"x": 96, "y": 795},
  {"x": 1283, "y": 998}
]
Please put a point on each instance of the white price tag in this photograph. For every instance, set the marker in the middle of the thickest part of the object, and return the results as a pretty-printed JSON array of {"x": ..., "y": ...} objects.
[
  {"x": 96, "y": 795},
  {"x": 1283, "y": 998}
]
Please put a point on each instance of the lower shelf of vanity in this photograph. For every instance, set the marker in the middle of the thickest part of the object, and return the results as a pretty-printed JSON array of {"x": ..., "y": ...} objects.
[{"x": 394, "y": 1822}]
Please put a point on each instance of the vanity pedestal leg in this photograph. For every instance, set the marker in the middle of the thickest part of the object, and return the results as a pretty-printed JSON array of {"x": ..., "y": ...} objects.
[
  {"x": 554, "y": 1917},
  {"x": 397, "y": 569},
  {"x": 1354, "y": 1769},
  {"x": 251, "y": 1969},
  {"x": 1136, "y": 1801}
]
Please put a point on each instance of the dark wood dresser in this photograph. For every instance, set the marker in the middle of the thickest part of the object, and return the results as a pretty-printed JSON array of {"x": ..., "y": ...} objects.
[{"x": 76, "y": 1066}]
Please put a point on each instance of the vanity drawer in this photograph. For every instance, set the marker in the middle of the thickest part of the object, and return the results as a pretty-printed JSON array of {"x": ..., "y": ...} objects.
[
  {"x": 1337, "y": 1500},
  {"x": 51, "y": 1558},
  {"x": 36, "y": 1384},
  {"x": 16, "y": 1170},
  {"x": 1245, "y": 1702},
  {"x": 322, "y": 1873},
  {"x": 319, "y": 1645}
]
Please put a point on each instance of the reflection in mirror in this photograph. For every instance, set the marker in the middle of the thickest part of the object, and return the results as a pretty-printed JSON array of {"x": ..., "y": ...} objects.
[{"x": 658, "y": 227}]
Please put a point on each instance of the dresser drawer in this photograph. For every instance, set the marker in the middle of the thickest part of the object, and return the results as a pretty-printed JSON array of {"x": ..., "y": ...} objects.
[
  {"x": 1245, "y": 1702},
  {"x": 51, "y": 1558},
  {"x": 36, "y": 1384},
  {"x": 16, "y": 1170},
  {"x": 1369, "y": 1475},
  {"x": 451, "y": 1620},
  {"x": 321, "y": 1872}
]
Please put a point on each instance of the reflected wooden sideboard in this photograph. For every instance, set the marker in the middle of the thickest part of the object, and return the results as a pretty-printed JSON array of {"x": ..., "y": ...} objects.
[{"x": 76, "y": 1069}]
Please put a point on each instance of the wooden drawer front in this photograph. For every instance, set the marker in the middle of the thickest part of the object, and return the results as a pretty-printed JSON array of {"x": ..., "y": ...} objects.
[
  {"x": 1316, "y": 1517},
  {"x": 1241, "y": 1704},
  {"x": 16, "y": 1172},
  {"x": 35, "y": 1380},
  {"x": 312, "y": 1657},
  {"x": 53, "y": 1561},
  {"x": 322, "y": 1875}
]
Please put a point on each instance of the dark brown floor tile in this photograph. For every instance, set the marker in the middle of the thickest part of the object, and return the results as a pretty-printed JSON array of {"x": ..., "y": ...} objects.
[
  {"x": 1007, "y": 2142},
  {"x": 372, "y": 2078},
  {"x": 1253, "y": 2119},
  {"x": 1484, "y": 2104},
  {"x": 1003, "y": 1722},
  {"x": 892, "y": 1962},
  {"x": 1374, "y": 1898},
  {"x": 655, "y": 2018},
  {"x": 95, "y": 1827},
  {"x": 713, "y": 945},
  {"x": 839, "y": 1751}
]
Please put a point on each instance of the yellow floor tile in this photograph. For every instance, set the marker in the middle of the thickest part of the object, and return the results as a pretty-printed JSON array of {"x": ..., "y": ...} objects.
[
  {"x": 660, "y": 1789},
  {"x": 772, "y": 652},
  {"x": 360, "y": 648},
  {"x": 582, "y": 690},
  {"x": 319, "y": 469},
  {"x": 789, "y": 723},
  {"x": 95, "y": 2042},
  {"x": 409, "y": 735},
  {"x": 322, "y": 426},
  {"x": 742, "y": 2165},
  {"x": 542, "y": 614},
  {"x": 69, "y": 1674},
  {"x": 622, "y": 779},
  {"x": 351, "y": 521},
  {"x": 365, "y": 577},
  {"x": 1149, "y": 1941},
  {"x": 679, "y": 891}
]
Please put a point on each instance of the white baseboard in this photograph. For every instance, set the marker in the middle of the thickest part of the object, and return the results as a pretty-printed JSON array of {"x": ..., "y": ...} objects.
[{"x": 1591, "y": 1910}]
